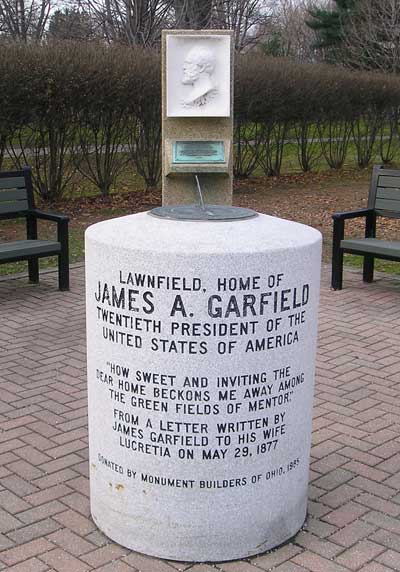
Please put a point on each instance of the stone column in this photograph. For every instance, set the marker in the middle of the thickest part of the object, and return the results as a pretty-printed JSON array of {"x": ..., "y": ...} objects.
[{"x": 180, "y": 188}]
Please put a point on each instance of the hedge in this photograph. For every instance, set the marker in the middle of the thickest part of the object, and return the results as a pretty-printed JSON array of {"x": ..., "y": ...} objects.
[{"x": 94, "y": 109}]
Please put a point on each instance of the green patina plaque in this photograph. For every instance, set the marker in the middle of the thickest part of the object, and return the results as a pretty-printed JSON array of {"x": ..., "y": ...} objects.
[{"x": 184, "y": 152}]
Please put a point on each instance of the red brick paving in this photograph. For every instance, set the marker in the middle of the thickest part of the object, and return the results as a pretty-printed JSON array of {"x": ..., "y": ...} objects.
[{"x": 354, "y": 508}]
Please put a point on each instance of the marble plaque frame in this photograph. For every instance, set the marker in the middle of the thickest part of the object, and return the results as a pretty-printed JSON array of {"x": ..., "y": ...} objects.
[{"x": 203, "y": 88}]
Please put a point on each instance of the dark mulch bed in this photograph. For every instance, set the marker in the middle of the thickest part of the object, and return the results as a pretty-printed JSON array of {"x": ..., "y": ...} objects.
[{"x": 312, "y": 199}]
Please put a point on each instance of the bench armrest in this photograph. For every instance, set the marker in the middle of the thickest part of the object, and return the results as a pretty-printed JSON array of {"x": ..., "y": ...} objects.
[
  {"x": 62, "y": 225},
  {"x": 352, "y": 214},
  {"x": 48, "y": 216},
  {"x": 339, "y": 223}
]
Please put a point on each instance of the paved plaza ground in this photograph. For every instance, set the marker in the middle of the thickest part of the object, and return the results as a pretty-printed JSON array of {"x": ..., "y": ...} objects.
[{"x": 354, "y": 506}]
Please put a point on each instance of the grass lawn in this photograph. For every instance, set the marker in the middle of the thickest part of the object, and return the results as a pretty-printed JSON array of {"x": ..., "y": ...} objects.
[{"x": 307, "y": 198}]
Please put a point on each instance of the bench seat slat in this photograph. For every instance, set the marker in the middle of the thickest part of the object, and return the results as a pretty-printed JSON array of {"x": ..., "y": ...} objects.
[
  {"x": 13, "y": 195},
  {"x": 12, "y": 182},
  {"x": 373, "y": 246},
  {"x": 21, "y": 248},
  {"x": 14, "y": 206},
  {"x": 386, "y": 181}
]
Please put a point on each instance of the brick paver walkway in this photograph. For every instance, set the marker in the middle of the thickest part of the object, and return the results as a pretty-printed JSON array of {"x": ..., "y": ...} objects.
[{"x": 354, "y": 504}]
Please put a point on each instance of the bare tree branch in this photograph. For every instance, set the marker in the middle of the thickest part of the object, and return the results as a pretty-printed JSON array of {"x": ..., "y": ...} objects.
[
  {"x": 135, "y": 22},
  {"x": 193, "y": 14},
  {"x": 139, "y": 22},
  {"x": 24, "y": 20},
  {"x": 372, "y": 37},
  {"x": 247, "y": 18},
  {"x": 288, "y": 34}
]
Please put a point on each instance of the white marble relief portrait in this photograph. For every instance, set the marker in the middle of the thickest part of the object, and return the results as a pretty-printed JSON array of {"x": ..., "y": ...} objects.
[
  {"x": 198, "y": 71},
  {"x": 198, "y": 76}
]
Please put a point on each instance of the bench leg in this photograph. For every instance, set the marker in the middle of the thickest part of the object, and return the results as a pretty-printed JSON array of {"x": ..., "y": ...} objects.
[
  {"x": 63, "y": 258},
  {"x": 33, "y": 270},
  {"x": 63, "y": 272},
  {"x": 337, "y": 255},
  {"x": 337, "y": 270},
  {"x": 368, "y": 268}
]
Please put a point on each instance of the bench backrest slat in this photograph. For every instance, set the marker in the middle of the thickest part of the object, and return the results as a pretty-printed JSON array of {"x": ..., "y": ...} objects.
[
  {"x": 16, "y": 193},
  {"x": 14, "y": 206},
  {"x": 384, "y": 194},
  {"x": 12, "y": 183},
  {"x": 389, "y": 182},
  {"x": 387, "y": 205},
  {"x": 387, "y": 193}
]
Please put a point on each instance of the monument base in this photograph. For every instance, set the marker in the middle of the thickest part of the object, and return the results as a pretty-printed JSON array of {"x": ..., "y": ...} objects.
[
  {"x": 220, "y": 546},
  {"x": 201, "y": 345}
]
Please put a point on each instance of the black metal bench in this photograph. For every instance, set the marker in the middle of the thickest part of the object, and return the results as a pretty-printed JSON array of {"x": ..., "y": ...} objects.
[
  {"x": 17, "y": 200},
  {"x": 383, "y": 201}
]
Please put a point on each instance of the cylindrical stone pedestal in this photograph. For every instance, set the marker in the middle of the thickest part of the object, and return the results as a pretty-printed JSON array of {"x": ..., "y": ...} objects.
[{"x": 201, "y": 343}]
